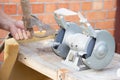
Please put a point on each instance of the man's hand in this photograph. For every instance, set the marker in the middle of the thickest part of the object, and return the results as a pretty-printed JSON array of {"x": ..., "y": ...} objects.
[
  {"x": 18, "y": 31},
  {"x": 16, "y": 28}
]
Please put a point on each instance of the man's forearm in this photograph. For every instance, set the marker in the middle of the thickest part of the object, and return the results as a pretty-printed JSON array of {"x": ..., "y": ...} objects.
[{"x": 5, "y": 21}]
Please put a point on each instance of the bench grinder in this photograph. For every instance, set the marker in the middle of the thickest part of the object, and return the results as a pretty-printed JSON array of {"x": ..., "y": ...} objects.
[{"x": 81, "y": 45}]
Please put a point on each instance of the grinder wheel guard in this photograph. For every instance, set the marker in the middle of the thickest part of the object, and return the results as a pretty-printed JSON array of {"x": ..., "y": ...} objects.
[{"x": 75, "y": 42}]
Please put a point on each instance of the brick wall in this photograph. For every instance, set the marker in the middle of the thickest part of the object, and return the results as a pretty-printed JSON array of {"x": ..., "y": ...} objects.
[{"x": 100, "y": 13}]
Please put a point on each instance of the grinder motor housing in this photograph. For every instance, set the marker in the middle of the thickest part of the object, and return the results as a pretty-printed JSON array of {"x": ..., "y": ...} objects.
[{"x": 81, "y": 45}]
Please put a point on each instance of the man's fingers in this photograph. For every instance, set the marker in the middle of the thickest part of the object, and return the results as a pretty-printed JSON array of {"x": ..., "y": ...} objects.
[
  {"x": 24, "y": 34},
  {"x": 20, "y": 34},
  {"x": 18, "y": 31},
  {"x": 16, "y": 36}
]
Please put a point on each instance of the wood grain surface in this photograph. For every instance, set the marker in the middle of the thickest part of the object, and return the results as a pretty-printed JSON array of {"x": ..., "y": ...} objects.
[{"x": 39, "y": 56}]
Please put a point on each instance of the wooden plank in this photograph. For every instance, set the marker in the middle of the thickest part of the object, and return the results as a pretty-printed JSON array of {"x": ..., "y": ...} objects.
[
  {"x": 10, "y": 55},
  {"x": 22, "y": 72},
  {"x": 28, "y": 56},
  {"x": 40, "y": 57},
  {"x": 12, "y": 69}
]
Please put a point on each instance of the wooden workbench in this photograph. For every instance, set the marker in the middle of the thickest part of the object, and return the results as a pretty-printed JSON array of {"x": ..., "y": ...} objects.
[
  {"x": 34, "y": 59},
  {"x": 40, "y": 57}
]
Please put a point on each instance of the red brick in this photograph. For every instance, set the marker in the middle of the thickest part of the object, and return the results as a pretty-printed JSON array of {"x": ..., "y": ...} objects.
[
  {"x": 111, "y": 14},
  {"x": 105, "y": 25},
  {"x": 47, "y": 0},
  {"x": 97, "y": 15},
  {"x": 112, "y": 32},
  {"x": 72, "y": 18},
  {"x": 75, "y": 6},
  {"x": 86, "y": 5},
  {"x": 48, "y": 19},
  {"x": 55, "y": 26},
  {"x": 37, "y": 8},
  {"x": 0, "y": 6},
  {"x": 115, "y": 3},
  {"x": 35, "y": 28},
  {"x": 108, "y": 5},
  {"x": 19, "y": 9},
  {"x": 63, "y": 5},
  {"x": 40, "y": 17},
  {"x": 97, "y": 5},
  {"x": 16, "y": 1},
  {"x": 4, "y": 1},
  {"x": 72, "y": 1},
  {"x": 51, "y": 7},
  {"x": 10, "y": 8},
  {"x": 17, "y": 17},
  {"x": 92, "y": 24},
  {"x": 3, "y": 33},
  {"x": 33, "y": 0}
]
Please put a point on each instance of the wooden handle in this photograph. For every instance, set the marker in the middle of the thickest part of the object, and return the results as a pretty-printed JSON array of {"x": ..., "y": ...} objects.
[{"x": 26, "y": 9}]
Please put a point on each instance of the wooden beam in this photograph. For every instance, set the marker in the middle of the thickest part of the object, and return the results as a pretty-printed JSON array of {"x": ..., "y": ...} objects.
[
  {"x": 2, "y": 44},
  {"x": 10, "y": 55}
]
